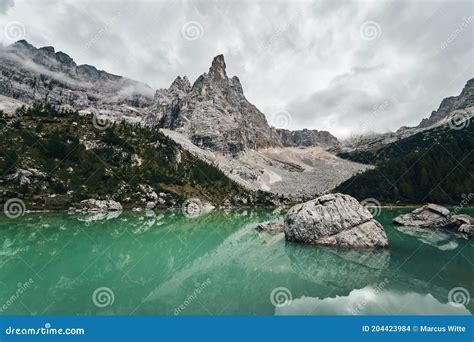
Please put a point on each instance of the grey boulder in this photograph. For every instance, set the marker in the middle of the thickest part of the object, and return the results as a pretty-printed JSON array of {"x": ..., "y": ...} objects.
[
  {"x": 334, "y": 220},
  {"x": 270, "y": 227},
  {"x": 429, "y": 215},
  {"x": 433, "y": 216}
]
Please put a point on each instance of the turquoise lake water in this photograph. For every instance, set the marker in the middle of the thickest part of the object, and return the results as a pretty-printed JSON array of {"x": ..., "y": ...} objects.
[{"x": 162, "y": 263}]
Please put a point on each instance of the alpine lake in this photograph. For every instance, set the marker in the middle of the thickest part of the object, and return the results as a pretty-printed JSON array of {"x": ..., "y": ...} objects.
[{"x": 165, "y": 263}]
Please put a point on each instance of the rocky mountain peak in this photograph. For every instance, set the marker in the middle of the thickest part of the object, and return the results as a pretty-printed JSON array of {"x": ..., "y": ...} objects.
[
  {"x": 214, "y": 113},
  {"x": 23, "y": 44},
  {"x": 217, "y": 68},
  {"x": 48, "y": 50},
  {"x": 181, "y": 84},
  {"x": 464, "y": 100},
  {"x": 307, "y": 138}
]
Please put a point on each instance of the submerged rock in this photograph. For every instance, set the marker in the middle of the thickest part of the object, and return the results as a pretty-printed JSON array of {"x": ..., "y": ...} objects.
[
  {"x": 439, "y": 239},
  {"x": 429, "y": 215},
  {"x": 335, "y": 220},
  {"x": 433, "y": 216},
  {"x": 100, "y": 205},
  {"x": 270, "y": 227}
]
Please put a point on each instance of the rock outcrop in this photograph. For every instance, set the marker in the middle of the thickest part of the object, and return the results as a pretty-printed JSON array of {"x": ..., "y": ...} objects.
[
  {"x": 464, "y": 100},
  {"x": 433, "y": 216},
  {"x": 429, "y": 215},
  {"x": 452, "y": 111},
  {"x": 307, "y": 138},
  {"x": 213, "y": 112},
  {"x": 270, "y": 227},
  {"x": 100, "y": 205},
  {"x": 334, "y": 220},
  {"x": 30, "y": 74}
]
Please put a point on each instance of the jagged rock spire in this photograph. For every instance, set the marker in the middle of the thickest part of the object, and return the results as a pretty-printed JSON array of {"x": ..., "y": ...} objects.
[
  {"x": 182, "y": 84},
  {"x": 217, "y": 68}
]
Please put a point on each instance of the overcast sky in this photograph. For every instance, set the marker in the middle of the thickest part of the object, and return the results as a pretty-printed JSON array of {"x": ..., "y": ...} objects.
[{"x": 343, "y": 66}]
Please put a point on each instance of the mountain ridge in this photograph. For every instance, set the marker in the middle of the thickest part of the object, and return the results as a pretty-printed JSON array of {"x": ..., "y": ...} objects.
[
  {"x": 31, "y": 74},
  {"x": 213, "y": 112}
]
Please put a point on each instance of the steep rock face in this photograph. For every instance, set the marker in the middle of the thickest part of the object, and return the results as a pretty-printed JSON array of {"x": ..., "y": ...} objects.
[
  {"x": 307, "y": 138},
  {"x": 334, "y": 220},
  {"x": 29, "y": 74},
  {"x": 449, "y": 104},
  {"x": 213, "y": 113}
]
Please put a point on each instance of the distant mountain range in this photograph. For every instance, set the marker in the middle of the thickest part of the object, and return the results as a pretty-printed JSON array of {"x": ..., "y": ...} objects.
[
  {"x": 43, "y": 75},
  {"x": 453, "y": 111},
  {"x": 213, "y": 112},
  {"x": 450, "y": 104},
  {"x": 213, "y": 120}
]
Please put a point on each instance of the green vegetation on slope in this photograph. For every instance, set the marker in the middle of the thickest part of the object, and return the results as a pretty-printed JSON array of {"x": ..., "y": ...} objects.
[
  {"x": 431, "y": 166},
  {"x": 70, "y": 160}
]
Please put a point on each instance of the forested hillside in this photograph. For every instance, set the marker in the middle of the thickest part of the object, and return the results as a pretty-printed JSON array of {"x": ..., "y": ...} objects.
[
  {"x": 54, "y": 159},
  {"x": 431, "y": 166}
]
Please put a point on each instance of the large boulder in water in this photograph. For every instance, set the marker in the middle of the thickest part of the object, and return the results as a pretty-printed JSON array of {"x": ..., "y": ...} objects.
[{"x": 334, "y": 220}]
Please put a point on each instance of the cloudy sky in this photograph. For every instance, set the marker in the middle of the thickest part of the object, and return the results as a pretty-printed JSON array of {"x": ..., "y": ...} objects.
[{"x": 345, "y": 66}]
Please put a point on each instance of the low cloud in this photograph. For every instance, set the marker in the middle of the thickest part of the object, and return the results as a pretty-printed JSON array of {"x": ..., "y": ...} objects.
[{"x": 5, "y": 5}]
